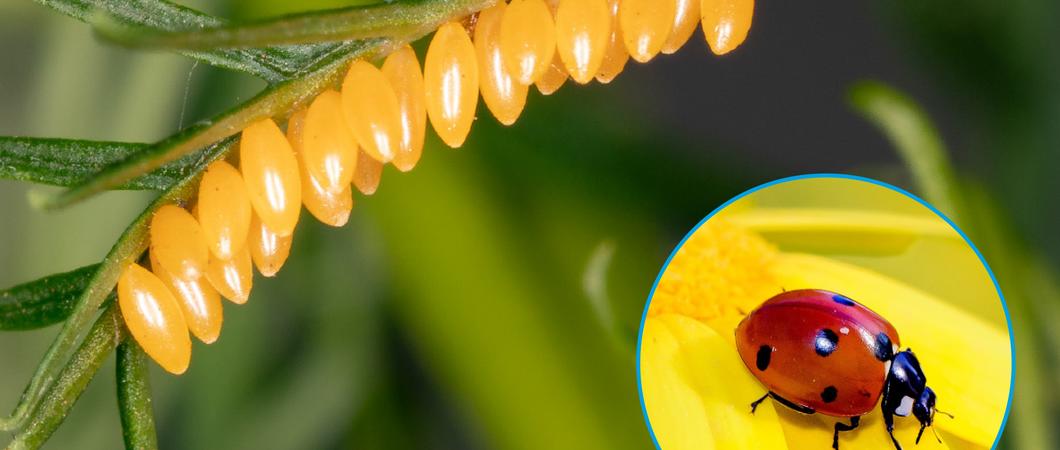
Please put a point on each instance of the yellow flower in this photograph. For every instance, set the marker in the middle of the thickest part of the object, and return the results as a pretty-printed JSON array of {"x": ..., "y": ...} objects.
[{"x": 904, "y": 263}]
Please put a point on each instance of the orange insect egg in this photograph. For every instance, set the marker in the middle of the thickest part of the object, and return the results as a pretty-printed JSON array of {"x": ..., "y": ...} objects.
[
  {"x": 268, "y": 249},
  {"x": 553, "y": 79},
  {"x": 153, "y": 318},
  {"x": 327, "y": 147},
  {"x": 503, "y": 96},
  {"x": 646, "y": 25},
  {"x": 686, "y": 19},
  {"x": 178, "y": 241},
  {"x": 450, "y": 76},
  {"x": 582, "y": 30},
  {"x": 331, "y": 208},
  {"x": 368, "y": 174},
  {"x": 528, "y": 39},
  {"x": 617, "y": 56},
  {"x": 223, "y": 209},
  {"x": 372, "y": 110},
  {"x": 270, "y": 171},
  {"x": 402, "y": 69},
  {"x": 232, "y": 278},
  {"x": 198, "y": 301},
  {"x": 726, "y": 23}
]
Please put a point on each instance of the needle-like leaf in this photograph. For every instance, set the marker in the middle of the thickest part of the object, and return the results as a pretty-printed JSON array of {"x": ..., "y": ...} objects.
[
  {"x": 400, "y": 18},
  {"x": 45, "y": 301},
  {"x": 270, "y": 64},
  {"x": 64, "y": 162}
]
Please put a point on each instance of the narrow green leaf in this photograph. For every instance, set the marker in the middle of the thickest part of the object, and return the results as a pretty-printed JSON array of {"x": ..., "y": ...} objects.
[
  {"x": 104, "y": 336},
  {"x": 45, "y": 301},
  {"x": 134, "y": 398},
  {"x": 401, "y": 18},
  {"x": 131, "y": 244},
  {"x": 915, "y": 138},
  {"x": 64, "y": 162},
  {"x": 275, "y": 100},
  {"x": 271, "y": 64}
]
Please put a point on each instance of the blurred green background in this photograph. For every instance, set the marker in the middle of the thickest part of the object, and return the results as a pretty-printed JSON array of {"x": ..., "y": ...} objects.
[{"x": 490, "y": 298}]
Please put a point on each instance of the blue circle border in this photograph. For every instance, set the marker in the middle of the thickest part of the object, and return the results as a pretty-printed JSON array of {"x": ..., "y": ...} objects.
[{"x": 1001, "y": 295}]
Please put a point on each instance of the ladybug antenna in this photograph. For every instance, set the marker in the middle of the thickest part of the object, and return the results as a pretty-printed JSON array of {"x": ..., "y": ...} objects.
[
  {"x": 944, "y": 413},
  {"x": 936, "y": 432}
]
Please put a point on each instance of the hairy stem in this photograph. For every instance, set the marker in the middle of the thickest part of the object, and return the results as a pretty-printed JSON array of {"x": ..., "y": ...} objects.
[
  {"x": 101, "y": 340},
  {"x": 134, "y": 398}
]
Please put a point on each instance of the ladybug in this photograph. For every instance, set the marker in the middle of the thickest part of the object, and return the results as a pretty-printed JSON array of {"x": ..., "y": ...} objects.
[{"x": 817, "y": 351}]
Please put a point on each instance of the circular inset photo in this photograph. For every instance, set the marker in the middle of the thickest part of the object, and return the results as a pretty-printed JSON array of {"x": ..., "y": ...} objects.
[{"x": 825, "y": 312}]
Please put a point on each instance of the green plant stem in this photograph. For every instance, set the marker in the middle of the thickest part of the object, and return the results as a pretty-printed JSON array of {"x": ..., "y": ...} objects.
[
  {"x": 129, "y": 247},
  {"x": 134, "y": 398},
  {"x": 915, "y": 138},
  {"x": 104, "y": 336},
  {"x": 359, "y": 22}
]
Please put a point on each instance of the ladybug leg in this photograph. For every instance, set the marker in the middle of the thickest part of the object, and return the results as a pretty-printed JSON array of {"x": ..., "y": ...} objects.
[
  {"x": 839, "y": 426},
  {"x": 754, "y": 404},
  {"x": 797, "y": 408},
  {"x": 888, "y": 419}
]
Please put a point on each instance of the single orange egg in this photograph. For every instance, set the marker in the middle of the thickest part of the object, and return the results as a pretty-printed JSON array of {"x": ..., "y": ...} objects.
[
  {"x": 270, "y": 171},
  {"x": 178, "y": 241},
  {"x": 617, "y": 56},
  {"x": 330, "y": 208},
  {"x": 223, "y": 209},
  {"x": 232, "y": 278},
  {"x": 646, "y": 25},
  {"x": 504, "y": 97},
  {"x": 154, "y": 319},
  {"x": 402, "y": 69},
  {"x": 327, "y": 147},
  {"x": 268, "y": 249},
  {"x": 686, "y": 19},
  {"x": 372, "y": 111},
  {"x": 198, "y": 300},
  {"x": 726, "y": 23},
  {"x": 583, "y": 28},
  {"x": 450, "y": 76},
  {"x": 368, "y": 174},
  {"x": 554, "y": 77},
  {"x": 528, "y": 39}
]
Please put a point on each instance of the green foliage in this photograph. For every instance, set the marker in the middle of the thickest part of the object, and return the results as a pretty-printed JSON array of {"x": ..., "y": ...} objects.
[
  {"x": 66, "y": 162},
  {"x": 45, "y": 301},
  {"x": 271, "y": 64},
  {"x": 134, "y": 398}
]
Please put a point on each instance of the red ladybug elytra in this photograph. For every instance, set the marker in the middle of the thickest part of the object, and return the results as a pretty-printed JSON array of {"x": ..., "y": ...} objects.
[{"x": 817, "y": 351}]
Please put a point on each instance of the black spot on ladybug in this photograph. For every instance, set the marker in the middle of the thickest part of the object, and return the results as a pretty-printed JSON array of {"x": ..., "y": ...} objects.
[
  {"x": 842, "y": 300},
  {"x": 765, "y": 353},
  {"x": 829, "y": 394},
  {"x": 826, "y": 342},
  {"x": 884, "y": 350}
]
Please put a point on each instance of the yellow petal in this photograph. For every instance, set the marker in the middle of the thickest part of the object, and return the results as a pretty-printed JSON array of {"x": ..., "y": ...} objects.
[
  {"x": 861, "y": 232},
  {"x": 966, "y": 359},
  {"x": 698, "y": 393},
  {"x": 815, "y": 431}
]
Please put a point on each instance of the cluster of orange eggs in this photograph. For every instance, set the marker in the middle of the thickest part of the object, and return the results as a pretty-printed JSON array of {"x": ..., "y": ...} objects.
[{"x": 380, "y": 116}]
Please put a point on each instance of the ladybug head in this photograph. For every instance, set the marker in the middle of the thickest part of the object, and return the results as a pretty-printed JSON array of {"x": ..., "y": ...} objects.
[{"x": 924, "y": 410}]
